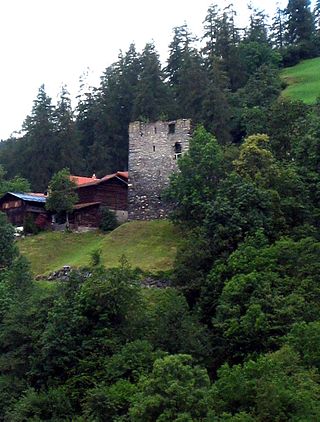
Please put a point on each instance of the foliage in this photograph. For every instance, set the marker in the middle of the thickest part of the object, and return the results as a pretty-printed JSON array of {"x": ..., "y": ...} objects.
[
  {"x": 108, "y": 220},
  {"x": 61, "y": 193},
  {"x": 8, "y": 249},
  {"x": 174, "y": 391},
  {"x": 62, "y": 196},
  {"x": 17, "y": 184},
  {"x": 236, "y": 335},
  {"x": 261, "y": 293},
  {"x": 36, "y": 406},
  {"x": 29, "y": 226},
  {"x": 95, "y": 259},
  {"x": 274, "y": 387},
  {"x": 200, "y": 171}
]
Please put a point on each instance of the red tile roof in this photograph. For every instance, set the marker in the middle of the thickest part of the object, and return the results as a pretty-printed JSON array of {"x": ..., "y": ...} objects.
[
  {"x": 121, "y": 174},
  {"x": 80, "y": 180},
  {"x": 88, "y": 181}
]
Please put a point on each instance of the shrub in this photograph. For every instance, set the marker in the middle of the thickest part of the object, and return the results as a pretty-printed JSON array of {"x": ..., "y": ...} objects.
[
  {"x": 29, "y": 226},
  {"x": 108, "y": 220}
]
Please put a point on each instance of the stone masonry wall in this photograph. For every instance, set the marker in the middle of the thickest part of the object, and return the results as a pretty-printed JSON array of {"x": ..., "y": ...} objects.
[{"x": 154, "y": 150}]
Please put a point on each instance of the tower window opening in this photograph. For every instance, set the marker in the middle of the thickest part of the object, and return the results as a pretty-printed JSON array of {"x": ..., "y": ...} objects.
[
  {"x": 171, "y": 128},
  {"x": 154, "y": 148},
  {"x": 177, "y": 150}
]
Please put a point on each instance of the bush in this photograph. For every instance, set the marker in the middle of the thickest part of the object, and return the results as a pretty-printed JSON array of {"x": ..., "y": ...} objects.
[
  {"x": 29, "y": 226},
  {"x": 108, "y": 220}
]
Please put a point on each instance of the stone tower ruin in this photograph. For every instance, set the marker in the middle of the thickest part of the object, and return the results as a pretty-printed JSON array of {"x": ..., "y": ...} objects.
[{"x": 154, "y": 149}]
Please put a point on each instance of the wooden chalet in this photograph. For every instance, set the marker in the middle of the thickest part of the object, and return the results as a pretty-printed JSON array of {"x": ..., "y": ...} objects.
[
  {"x": 110, "y": 191},
  {"x": 18, "y": 205}
]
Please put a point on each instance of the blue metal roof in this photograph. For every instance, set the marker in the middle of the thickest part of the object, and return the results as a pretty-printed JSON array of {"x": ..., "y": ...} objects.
[{"x": 29, "y": 197}]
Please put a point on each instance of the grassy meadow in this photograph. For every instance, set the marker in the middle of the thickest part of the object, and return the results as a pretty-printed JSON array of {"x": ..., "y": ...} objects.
[
  {"x": 303, "y": 81},
  {"x": 149, "y": 245}
]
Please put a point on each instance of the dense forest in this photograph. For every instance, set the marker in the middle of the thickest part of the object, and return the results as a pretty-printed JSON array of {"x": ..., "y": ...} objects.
[
  {"x": 237, "y": 336},
  {"x": 225, "y": 78}
]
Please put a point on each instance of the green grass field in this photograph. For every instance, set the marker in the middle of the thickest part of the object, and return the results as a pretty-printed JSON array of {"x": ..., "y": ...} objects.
[
  {"x": 303, "y": 81},
  {"x": 150, "y": 246}
]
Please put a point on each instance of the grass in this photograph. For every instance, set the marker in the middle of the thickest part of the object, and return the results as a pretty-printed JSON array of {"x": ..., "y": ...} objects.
[
  {"x": 303, "y": 81},
  {"x": 149, "y": 245}
]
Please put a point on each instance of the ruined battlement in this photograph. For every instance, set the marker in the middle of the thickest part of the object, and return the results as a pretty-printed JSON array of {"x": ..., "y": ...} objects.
[{"x": 154, "y": 149}]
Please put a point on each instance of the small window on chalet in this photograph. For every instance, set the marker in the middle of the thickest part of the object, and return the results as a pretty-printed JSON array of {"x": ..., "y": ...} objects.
[{"x": 171, "y": 128}]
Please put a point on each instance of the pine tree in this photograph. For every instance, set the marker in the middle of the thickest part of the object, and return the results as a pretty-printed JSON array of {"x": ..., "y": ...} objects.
[
  {"x": 86, "y": 120},
  {"x": 300, "y": 24},
  {"x": 67, "y": 135},
  {"x": 257, "y": 30},
  {"x": 185, "y": 74},
  {"x": 152, "y": 97},
  {"x": 316, "y": 16},
  {"x": 39, "y": 154},
  {"x": 211, "y": 28},
  {"x": 278, "y": 29},
  {"x": 222, "y": 39},
  {"x": 216, "y": 110}
]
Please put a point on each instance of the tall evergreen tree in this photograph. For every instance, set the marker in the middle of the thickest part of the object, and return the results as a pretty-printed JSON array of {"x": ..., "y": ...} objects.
[
  {"x": 186, "y": 75},
  {"x": 316, "y": 15},
  {"x": 216, "y": 110},
  {"x": 257, "y": 30},
  {"x": 86, "y": 120},
  {"x": 222, "y": 38},
  {"x": 39, "y": 158},
  {"x": 278, "y": 29},
  {"x": 68, "y": 152},
  {"x": 300, "y": 24},
  {"x": 210, "y": 26},
  {"x": 152, "y": 97}
]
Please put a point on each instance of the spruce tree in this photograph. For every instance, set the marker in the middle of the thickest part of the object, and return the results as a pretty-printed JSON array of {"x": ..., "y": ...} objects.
[
  {"x": 300, "y": 24},
  {"x": 257, "y": 30},
  {"x": 67, "y": 135},
  {"x": 278, "y": 29},
  {"x": 152, "y": 97},
  {"x": 185, "y": 74},
  {"x": 39, "y": 154}
]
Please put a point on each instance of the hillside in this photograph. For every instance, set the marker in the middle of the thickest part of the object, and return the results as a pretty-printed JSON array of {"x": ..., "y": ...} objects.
[
  {"x": 303, "y": 80},
  {"x": 150, "y": 245}
]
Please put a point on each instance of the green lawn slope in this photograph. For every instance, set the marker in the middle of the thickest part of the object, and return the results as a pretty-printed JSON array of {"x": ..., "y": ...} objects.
[
  {"x": 150, "y": 245},
  {"x": 303, "y": 81}
]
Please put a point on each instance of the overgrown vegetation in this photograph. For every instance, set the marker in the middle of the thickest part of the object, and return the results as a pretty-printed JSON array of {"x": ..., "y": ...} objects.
[{"x": 237, "y": 336}]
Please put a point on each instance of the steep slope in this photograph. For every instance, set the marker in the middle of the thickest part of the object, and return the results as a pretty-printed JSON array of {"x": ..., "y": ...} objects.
[
  {"x": 150, "y": 245},
  {"x": 303, "y": 81}
]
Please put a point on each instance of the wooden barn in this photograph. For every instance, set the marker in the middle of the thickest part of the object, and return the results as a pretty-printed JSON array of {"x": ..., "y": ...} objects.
[
  {"x": 110, "y": 191},
  {"x": 18, "y": 205}
]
